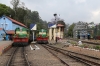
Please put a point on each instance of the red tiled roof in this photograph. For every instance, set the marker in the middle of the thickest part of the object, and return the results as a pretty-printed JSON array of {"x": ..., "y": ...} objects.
[
  {"x": 14, "y": 21},
  {"x": 1, "y": 28},
  {"x": 60, "y": 25},
  {"x": 10, "y": 31}
]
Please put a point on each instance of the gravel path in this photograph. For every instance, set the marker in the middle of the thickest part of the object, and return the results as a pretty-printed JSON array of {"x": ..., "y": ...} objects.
[{"x": 41, "y": 57}]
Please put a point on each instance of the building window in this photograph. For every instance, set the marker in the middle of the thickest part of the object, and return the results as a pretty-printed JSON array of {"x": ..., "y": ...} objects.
[
  {"x": 6, "y": 24},
  {"x": 1, "y": 24}
]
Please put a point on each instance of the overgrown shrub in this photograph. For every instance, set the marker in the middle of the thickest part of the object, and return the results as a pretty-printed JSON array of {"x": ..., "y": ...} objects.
[
  {"x": 84, "y": 45},
  {"x": 97, "y": 47},
  {"x": 73, "y": 43}
]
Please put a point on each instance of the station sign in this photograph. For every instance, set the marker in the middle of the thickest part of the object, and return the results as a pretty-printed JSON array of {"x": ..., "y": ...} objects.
[{"x": 33, "y": 27}]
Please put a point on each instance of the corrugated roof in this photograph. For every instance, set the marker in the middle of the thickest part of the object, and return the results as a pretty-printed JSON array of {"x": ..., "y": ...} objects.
[
  {"x": 50, "y": 25},
  {"x": 14, "y": 21},
  {"x": 10, "y": 31},
  {"x": 60, "y": 25}
]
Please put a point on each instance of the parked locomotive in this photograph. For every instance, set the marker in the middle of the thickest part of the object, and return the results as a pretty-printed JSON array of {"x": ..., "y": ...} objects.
[
  {"x": 42, "y": 37},
  {"x": 21, "y": 37}
]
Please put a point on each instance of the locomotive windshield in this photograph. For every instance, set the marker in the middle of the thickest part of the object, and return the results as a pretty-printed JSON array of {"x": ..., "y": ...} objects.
[
  {"x": 40, "y": 33},
  {"x": 43, "y": 32},
  {"x": 21, "y": 32}
]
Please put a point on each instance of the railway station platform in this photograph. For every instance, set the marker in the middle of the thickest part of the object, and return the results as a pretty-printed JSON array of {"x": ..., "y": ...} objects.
[{"x": 4, "y": 46}]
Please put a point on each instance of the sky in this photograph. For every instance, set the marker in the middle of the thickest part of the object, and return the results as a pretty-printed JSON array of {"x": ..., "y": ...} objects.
[{"x": 71, "y": 11}]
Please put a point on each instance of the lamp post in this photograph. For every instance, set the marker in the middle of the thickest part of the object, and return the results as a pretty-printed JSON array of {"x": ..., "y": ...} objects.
[{"x": 55, "y": 15}]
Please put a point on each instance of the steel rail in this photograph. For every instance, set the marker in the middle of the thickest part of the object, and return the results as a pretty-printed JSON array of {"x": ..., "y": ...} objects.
[
  {"x": 9, "y": 61},
  {"x": 28, "y": 64},
  {"x": 56, "y": 56},
  {"x": 88, "y": 62},
  {"x": 12, "y": 55}
]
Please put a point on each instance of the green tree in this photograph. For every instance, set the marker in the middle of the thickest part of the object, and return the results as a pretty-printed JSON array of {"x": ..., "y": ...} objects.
[
  {"x": 66, "y": 30},
  {"x": 70, "y": 30},
  {"x": 35, "y": 16},
  {"x": 26, "y": 16},
  {"x": 15, "y": 4},
  {"x": 4, "y": 10},
  {"x": 21, "y": 14}
]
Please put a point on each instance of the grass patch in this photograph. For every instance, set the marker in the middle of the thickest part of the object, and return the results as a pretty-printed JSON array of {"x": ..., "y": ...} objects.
[
  {"x": 73, "y": 43},
  {"x": 84, "y": 45},
  {"x": 97, "y": 47}
]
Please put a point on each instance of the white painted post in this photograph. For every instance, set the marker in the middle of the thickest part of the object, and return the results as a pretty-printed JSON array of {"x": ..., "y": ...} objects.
[{"x": 33, "y": 36}]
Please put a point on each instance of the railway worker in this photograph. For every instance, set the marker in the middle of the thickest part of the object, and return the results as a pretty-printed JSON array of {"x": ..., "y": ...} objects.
[
  {"x": 78, "y": 36},
  {"x": 52, "y": 37},
  {"x": 7, "y": 37},
  {"x": 83, "y": 36},
  {"x": 88, "y": 36},
  {"x": 56, "y": 39},
  {"x": 10, "y": 37}
]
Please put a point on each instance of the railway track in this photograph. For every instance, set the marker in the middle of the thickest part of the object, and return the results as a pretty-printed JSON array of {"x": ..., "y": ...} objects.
[
  {"x": 91, "y": 43},
  {"x": 18, "y": 58},
  {"x": 66, "y": 60},
  {"x": 94, "y": 43},
  {"x": 87, "y": 60},
  {"x": 55, "y": 55}
]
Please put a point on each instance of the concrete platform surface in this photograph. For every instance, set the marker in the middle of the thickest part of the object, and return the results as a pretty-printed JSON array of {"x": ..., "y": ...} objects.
[{"x": 4, "y": 46}]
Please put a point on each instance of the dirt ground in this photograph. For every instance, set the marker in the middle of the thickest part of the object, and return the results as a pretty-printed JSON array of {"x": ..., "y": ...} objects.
[{"x": 91, "y": 52}]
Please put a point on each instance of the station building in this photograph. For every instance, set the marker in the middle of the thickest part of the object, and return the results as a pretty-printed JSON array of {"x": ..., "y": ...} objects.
[
  {"x": 8, "y": 26},
  {"x": 56, "y": 31},
  {"x": 80, "y": 30}
]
